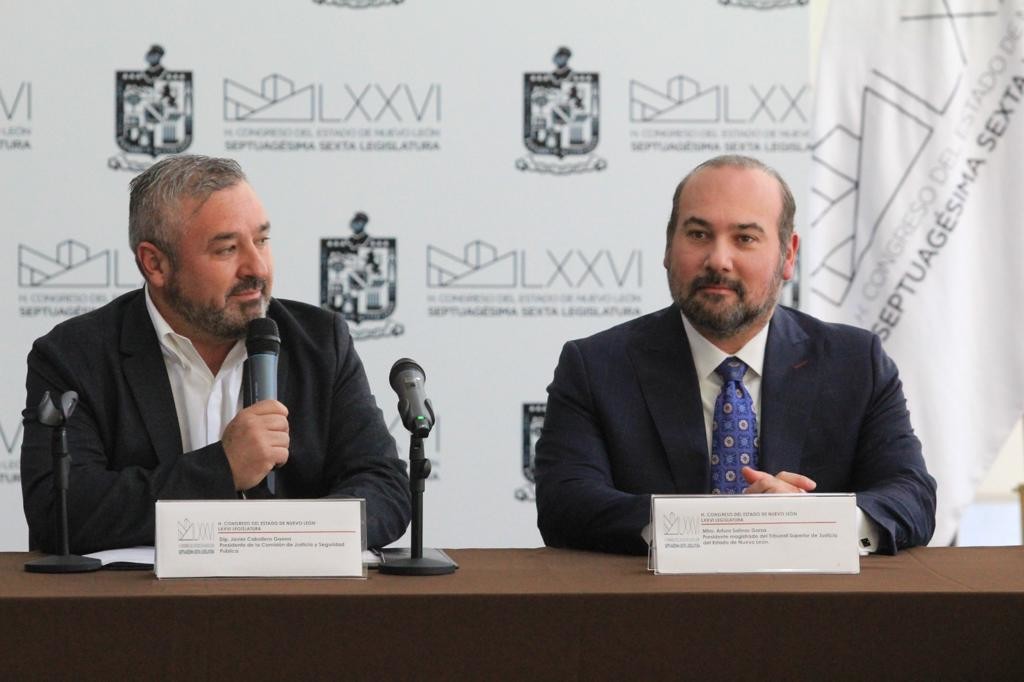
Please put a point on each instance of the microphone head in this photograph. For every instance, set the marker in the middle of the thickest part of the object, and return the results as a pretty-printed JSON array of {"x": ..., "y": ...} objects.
[
  {"x": 48, "y": 413},
  {"x": 52, "y": 412},
  {"x": 403, "y": 365},
  {"x": 261, "y": 337},
  {"x": 68, "y": 403}
]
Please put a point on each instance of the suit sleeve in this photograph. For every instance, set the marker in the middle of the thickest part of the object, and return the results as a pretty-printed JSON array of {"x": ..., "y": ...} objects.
[
  {"x": 577, "y": 503},
  {"x": 111, "y": 494},
  {"x": 890, "y": 478},
  {"x": 362, "y": 460}
]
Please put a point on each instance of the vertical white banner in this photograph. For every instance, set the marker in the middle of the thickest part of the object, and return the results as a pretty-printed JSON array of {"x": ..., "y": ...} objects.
[{"x": 914, "y": 222}]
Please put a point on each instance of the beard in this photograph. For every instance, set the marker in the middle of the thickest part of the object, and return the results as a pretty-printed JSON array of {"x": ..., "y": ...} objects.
[
  {"x": 723, "y": 321},
  {"x": 220, "y": 322}
]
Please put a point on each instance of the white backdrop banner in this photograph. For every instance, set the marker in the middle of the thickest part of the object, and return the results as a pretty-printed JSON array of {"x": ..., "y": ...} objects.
[
  {"x": 471, "y": 184},
  {"x": 915, "y": 221}
]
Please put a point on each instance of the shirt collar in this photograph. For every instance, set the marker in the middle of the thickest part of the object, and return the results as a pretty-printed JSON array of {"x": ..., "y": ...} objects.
[{"x": 707, "y": 356}]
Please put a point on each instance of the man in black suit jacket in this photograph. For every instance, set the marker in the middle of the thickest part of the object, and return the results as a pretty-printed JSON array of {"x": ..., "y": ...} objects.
[
  {"x": 139, "y": 434},
  {"x": 629, "y": 415}
]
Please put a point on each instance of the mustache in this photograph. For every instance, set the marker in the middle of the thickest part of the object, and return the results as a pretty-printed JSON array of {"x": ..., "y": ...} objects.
[
  {"x": 713, "y": 279},
  {"x": 248, "y": 284}
]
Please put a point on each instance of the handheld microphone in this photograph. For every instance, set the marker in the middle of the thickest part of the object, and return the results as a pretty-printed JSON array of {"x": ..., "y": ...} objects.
[
  {"x": 263, "y": 345},
  {"x": 407, "y": 379},
  {"x": 259, "y": 380}
]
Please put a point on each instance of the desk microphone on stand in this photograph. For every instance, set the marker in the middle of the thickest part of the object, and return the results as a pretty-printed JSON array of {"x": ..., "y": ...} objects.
[
  {"x": 55, "y": 416},
  {"x": 407, "y": 378}
]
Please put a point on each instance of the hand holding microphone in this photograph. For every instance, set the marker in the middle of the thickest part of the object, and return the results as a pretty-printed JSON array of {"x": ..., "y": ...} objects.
[{"x": 255, "y": 442}]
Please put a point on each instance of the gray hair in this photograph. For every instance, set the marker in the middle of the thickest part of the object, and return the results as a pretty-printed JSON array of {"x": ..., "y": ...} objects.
[
  {"x": 158, "y": 192},
  {"x": 786, "y": 216}
]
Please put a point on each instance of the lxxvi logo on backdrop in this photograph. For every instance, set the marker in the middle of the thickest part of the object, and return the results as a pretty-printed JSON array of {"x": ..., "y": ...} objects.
[
  {"x": 533, "y": 422},
  {"x": 358, "y": 4},
  {"x": 482, "y": 280},
  {"x": 276, "y": 113},
  {"x": 70, "y": 278},
  {"x": 561, "y": 119},
  {"x": 687, "y": 114},
  {"x": 15, "y": 116},
  {"x": 153, "y": 110},
  {"x": 359, "y": 280}
]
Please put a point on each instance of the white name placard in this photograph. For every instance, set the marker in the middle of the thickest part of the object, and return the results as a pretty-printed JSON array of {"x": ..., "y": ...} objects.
[
  {"x": 260, "y": 538},
  {"x": 805, "y": 533}
]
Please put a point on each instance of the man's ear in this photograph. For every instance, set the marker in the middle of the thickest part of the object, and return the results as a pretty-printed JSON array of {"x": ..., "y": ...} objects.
[
  {"x": 789, "y": 263},
  {"x": 154, "y": 264}
]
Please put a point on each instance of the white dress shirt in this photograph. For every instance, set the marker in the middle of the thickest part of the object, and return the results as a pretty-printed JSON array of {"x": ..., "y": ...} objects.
[{"x": 204, "y": 403}]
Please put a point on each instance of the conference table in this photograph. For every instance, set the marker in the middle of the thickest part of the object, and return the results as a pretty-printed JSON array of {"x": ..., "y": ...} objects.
[{"x": 927, "y": 613}]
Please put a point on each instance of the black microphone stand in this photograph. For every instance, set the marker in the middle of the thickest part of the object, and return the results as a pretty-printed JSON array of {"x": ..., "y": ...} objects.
[
  {"x": 413, "y": 561},
  {"x": 65, "y": 562}
]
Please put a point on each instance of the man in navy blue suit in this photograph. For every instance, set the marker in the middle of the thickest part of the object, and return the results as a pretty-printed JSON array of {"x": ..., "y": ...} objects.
[{"x": 631, "y": 410}]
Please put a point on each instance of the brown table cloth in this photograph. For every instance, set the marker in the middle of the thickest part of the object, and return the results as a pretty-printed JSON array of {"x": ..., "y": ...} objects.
[{"x": 928, "y": 613}]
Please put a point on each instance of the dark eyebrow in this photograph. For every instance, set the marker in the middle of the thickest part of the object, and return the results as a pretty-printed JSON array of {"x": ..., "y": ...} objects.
[
  {"x": 228, "y": 236},
  {"x": 751, "y": 226},
  {"x": 694, "y": 220},
  {"x": 701, "y": 222},
  {"x": 223, "y": 237}
]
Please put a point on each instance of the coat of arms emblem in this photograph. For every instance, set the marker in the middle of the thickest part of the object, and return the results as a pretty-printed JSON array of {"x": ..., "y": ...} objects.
[
  {"x": 561, "y": 119},
  {"x": 533, "y": 422},
  {"x": 154, "y": 112},
  {"x": 359, "y": 275}
]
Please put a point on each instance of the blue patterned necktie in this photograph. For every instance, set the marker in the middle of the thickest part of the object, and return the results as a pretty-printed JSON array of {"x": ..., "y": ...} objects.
[{"x": 733, "y": 430}]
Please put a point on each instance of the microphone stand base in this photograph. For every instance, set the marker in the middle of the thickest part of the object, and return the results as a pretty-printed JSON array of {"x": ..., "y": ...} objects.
[
  {"x": 401, "y": 562},
  {"x": 70, "y": 563}
]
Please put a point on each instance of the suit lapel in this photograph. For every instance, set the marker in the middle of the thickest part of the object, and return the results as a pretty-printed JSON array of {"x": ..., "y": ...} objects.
[
  {"x": 146, "y": 375},
  {"x": 668, "y": 380},
  {"x": 790, "y": 382}
]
